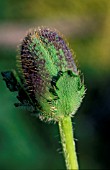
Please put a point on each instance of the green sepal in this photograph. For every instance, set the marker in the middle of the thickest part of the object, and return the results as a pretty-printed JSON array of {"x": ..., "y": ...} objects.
[
  {"x": 67, "y": 94},
  {"x": 10, "y": 80},
  {"x": 70, "y": 92},
  {"x": 14, "y": 84}
]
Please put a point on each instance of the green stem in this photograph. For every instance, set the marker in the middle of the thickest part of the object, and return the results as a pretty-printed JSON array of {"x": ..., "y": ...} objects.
[{"x": 68, "y": 144}]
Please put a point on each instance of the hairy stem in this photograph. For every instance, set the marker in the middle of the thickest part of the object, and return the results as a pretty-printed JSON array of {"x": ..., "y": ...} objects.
[{"x": 68, "y": 144}]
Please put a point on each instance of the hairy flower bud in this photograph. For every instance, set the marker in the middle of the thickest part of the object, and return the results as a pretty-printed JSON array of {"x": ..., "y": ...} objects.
[{"x": 49, "y": 76}]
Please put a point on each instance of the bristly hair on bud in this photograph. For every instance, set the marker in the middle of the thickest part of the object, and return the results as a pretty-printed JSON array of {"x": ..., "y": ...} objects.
[{"x": 48, "y": 79}]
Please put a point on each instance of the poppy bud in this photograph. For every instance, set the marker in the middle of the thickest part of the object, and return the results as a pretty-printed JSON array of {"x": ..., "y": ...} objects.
[{"x": 49, "y": 75}]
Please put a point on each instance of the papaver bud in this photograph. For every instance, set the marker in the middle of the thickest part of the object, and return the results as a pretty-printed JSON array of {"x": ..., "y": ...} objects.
[{"x": 49, "y": 75}]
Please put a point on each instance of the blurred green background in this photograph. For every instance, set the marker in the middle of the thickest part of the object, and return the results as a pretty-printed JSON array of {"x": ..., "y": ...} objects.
[{"x": 26, "y": 143}]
